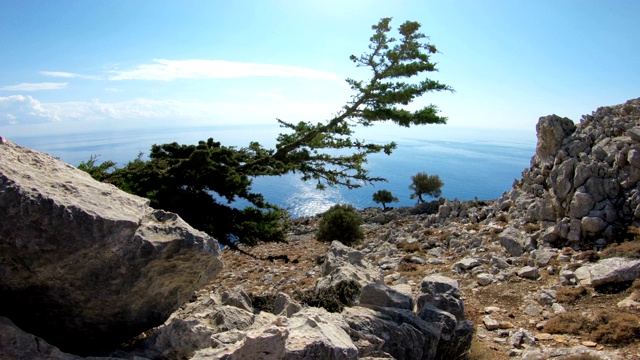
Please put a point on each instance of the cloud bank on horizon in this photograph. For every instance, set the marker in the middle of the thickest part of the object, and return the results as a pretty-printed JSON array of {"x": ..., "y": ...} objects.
[{"x": 90, "y": 66}]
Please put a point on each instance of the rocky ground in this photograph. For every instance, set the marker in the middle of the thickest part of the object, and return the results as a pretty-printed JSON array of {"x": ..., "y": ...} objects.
[{"x": 503, "y": 293}]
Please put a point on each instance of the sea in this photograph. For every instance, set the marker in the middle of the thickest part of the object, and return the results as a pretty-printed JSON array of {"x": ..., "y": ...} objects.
[{"x": 472, "y": 163}]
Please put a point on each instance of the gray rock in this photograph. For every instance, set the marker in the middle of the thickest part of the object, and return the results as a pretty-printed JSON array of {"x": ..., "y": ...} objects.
[
  {"x": 347, "y": 264},
  {"x": 317, "y": 334},
  {"x": 551, "y": 131},
  {"x": 513, "y": 241},
  {"x": 490, "y": 324},
  {"x": 593, "y": 225},
  {"x": 438, "y": 284},
  {"x": 485, "y": 279},
  {"x": 443, "y": 293},
  {"x": 406, "y": 336},
  {"x": 529, "y": 272},
  {"x": 285, "y": 306},
  {"x": 519, "y": 337},
  {"x": 100, "y": 263},
  {"x": 607, "y": 271},
  {"x": 385, "y": 296},
  {"x": 238, "y": 298},
  {"x": 581, "y": 204},
  {"x": 465, "y": 264},
  {"x": 543, "y": 256}
]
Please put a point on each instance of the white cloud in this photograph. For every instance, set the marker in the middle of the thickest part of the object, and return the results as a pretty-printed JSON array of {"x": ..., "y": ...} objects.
[
  {"x": 69, "y": 75},
  {"x": 19, "y": 109},
  {"x": 165, "y": 70},
  {"x": 35, "y": 86}
]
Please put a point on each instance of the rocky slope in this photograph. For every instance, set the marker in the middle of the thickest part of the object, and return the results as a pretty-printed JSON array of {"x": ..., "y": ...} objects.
[{"x": 549, "y": 270}]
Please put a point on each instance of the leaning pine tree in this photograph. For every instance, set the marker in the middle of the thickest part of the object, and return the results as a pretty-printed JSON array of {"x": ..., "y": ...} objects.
[{"x": 182, "y": 178}]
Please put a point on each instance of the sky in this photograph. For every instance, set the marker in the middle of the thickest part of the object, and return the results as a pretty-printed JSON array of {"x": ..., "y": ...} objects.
[{"x": 71, "y": 66}]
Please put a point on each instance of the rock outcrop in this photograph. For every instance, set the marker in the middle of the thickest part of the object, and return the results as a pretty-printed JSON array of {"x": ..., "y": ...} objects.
[
  {"x": 84, "y": 265},
  {"x": 583, "y": 184}
]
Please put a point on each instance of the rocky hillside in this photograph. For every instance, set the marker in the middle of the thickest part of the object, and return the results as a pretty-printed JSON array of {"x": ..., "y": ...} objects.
[{"x": 549, "y": 270}]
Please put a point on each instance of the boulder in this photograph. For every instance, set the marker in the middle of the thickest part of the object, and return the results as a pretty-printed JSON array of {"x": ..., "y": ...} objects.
[
  {"x": 551, "y": 131},
  {"x": 608, "y": 271},
  {"x": 385, "y": 296},
  {"x": 344, "y": 266},
  {"x": 400, "y": 332},
  {"x": 514, "y": 241},
  {"x": 315, "y": 333},
  {"x": 84, "y": 265},
  {"x": 443, "y": 293},
  {"x": 285, "y": 306}
]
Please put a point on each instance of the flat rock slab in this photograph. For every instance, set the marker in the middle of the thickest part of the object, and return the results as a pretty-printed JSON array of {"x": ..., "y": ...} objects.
[
  {"x": 607, "y": 271},
  {"x": 84, "y": 265}
]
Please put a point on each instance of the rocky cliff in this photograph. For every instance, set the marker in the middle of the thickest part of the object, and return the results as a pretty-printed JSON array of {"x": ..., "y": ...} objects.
[{"x": 582, "y": 187}]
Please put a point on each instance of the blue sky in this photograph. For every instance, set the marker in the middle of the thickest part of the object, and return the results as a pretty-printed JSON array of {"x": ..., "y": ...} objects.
[{"x": 77, "y": 66}]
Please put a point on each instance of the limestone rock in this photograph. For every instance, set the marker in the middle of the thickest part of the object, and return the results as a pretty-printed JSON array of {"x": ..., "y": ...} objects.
[
  {"x": 385, "y": 296},
  {"x": 514, "y": 241},
  {"x": 606, "y": 271},
  {"x": 443, "y": 293},
  {"x": 551, "y": 131},
  {"x": 285, "y": 306},
  {"x": 404, "y": 335},
  {"x": 84, "y": 265},
  {"x": 345, "y": 263},
  {"x": 317, "y": 334}
]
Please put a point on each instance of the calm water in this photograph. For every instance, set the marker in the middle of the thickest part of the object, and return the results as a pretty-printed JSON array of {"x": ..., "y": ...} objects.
[{"x": 471, "y": 163}]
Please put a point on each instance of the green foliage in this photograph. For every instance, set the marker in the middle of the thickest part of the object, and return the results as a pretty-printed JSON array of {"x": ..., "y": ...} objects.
[
  {"x": 384, "y": 197},
  {"x": 333, "y": 299},
  {"x": 183, "y": 178},
  {"x": 98, "y": 172},
  {"x": 424, "y": 184},
  {"x": 340, "y": 223}
]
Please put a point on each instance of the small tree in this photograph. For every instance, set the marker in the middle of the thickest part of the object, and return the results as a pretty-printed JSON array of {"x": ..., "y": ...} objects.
[
  {"x": 384, "y": 197},
  {"x": 340, "y": 223},
  {"x": 425, "y": 184}
]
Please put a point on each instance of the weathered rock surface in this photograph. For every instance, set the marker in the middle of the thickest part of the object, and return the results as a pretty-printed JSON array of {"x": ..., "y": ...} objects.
[
  {"x": 583, "y": 183},
  {"x": 607, "y": 271},
  {"x": 84, "y": 265}
]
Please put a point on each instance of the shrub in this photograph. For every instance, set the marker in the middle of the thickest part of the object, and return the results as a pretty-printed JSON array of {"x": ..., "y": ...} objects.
[
  {"x": 567, "y": 294},
  {"x": 340, "y": 223},
  {"x": 616, "y": 328},
  {"x": 567, "y": 323},
  {"x": 333, "y": 299}
]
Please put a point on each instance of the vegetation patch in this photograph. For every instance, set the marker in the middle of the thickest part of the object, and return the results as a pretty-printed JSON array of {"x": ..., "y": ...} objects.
[
  {"x": 263, "y": 302},
  {"x": 342, "y": 223},
  {"x": 406, "y": 246},
  {"x": 628, "y": 249},
  {"x": 607, "y": 327},
  {"x": 570, "y": 295},
  {"x": 333, "y": 299}
]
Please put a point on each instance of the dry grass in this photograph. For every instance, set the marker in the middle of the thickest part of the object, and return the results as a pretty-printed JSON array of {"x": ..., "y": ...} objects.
[
  {"x": 629, "y": 249},
  {"x": 479, "y": 351},
  {"x": 583, "y": 357},
  {"x": 530, "y": 228},
  {"x": 616, "y": 328},
  {"x": 567, "y": 323},
  {"x": 607, "y": 327},
  {"x": 404, "y": 245},
  {"x": 570, "y": 295}
]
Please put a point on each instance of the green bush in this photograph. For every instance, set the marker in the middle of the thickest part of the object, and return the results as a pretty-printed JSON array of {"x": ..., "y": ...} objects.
[{"x": 340, "y": 223}]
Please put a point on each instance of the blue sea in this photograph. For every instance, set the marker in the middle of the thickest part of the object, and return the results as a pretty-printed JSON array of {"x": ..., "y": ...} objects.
[{"x": 472, "y": 163}]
